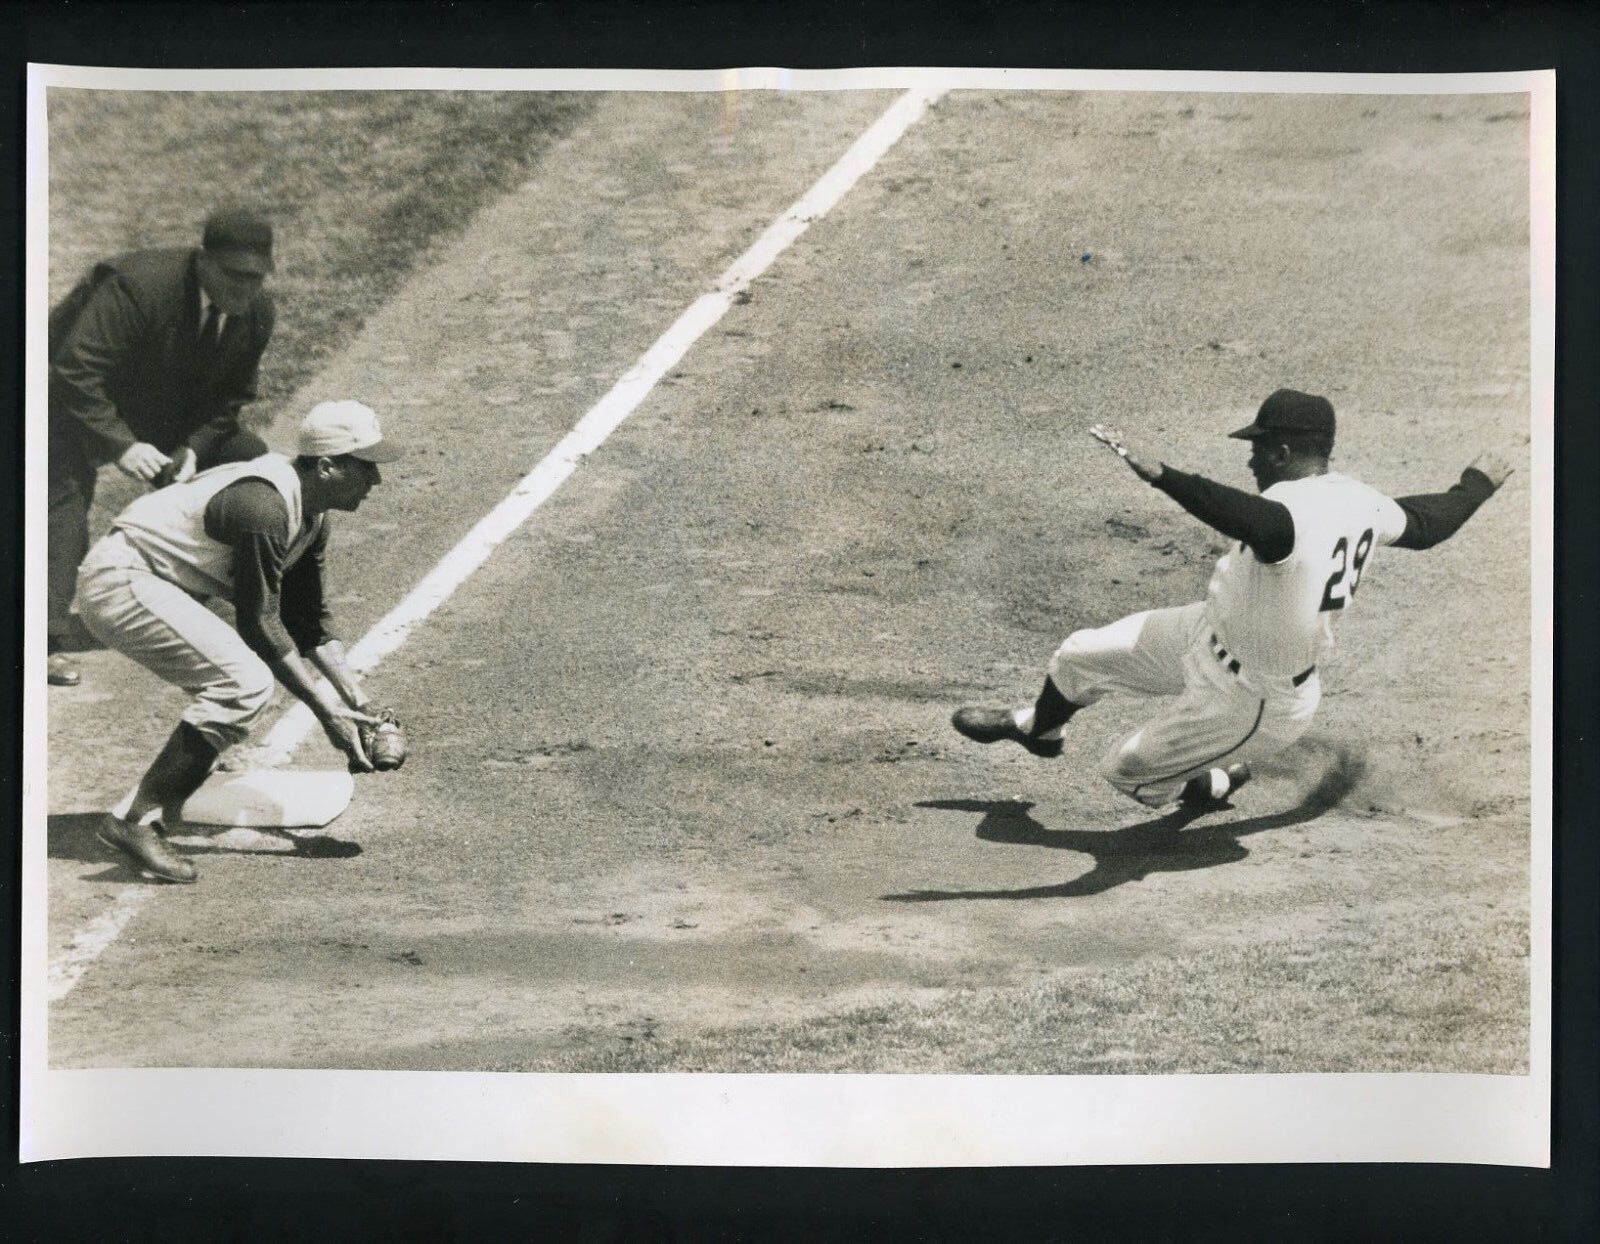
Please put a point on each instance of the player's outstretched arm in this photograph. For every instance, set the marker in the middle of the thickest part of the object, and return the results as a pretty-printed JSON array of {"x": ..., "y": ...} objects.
[
  {"x": 1265, "y": 526},
  {"x": 1432, "y": 518},
  {"x": 1113, "y": 439},
  {"x": 1493, "y": 465}
]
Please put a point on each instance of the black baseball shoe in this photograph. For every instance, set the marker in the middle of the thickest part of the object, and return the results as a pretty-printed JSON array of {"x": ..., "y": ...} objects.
[
  {"x": 1200, "y": 790},
  {"x": 994, "y": 725},
  {"x": 61, "y": 671},
  {"x": 146, "y": 847}
]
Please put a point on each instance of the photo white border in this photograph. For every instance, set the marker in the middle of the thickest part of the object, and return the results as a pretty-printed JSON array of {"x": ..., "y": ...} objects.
[{"x": 792, "y": 1120}]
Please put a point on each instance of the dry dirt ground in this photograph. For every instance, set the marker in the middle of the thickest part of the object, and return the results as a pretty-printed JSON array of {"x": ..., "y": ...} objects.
[{"x": 682, "y": 742}]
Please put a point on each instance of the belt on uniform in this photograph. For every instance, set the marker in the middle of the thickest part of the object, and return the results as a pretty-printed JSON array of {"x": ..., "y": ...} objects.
[{"x": 1232, "y": 662}]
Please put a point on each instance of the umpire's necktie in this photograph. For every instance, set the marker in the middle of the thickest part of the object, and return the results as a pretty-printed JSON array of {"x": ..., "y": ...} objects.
[{"x": 210, "y": 331}]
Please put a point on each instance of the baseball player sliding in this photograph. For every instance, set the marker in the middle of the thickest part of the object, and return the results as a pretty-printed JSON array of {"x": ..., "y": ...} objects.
[{"x": 1241, "y": 665}]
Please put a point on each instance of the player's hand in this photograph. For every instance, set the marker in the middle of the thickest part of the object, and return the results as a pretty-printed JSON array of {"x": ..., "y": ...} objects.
[
  {"x": 343, "y": 728},
  {"x": 142, "y": 461},
  {"x": 1493, "y": 464},
  {"x": 178, "y": 471},
  {"x": 1112, "y": 438}
]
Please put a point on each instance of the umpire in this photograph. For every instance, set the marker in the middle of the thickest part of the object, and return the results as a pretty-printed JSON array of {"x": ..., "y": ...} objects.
[{"x": 152, "y": 355}]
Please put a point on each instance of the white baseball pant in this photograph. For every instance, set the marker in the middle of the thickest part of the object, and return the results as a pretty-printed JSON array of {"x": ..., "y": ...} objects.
[
  {"x": 129, "y": 608},
  {"x": 1217, "y": 717}
]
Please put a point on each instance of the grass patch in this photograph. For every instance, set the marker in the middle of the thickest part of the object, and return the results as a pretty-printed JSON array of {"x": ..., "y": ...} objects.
[
  {"x": 1372, "y": 998},
  {"x": 362, "y": 186}
]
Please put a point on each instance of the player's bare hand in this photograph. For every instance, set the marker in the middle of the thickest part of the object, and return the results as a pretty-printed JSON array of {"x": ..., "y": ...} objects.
[
  {"x": 1108, "y": 435},
  {"x": 142, "y": 461},
  {"x": 1113, "y": 439},
  {"x": 343, "y": 728},
  {"x": 1493, "y": 464}
]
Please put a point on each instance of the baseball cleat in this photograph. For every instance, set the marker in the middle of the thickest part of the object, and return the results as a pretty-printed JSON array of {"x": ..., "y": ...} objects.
[
  {"x": 60, "y": 670},
  {"x": 146, "y": 847},
  {"x": 994, "y": 725},
  {"x": 1212, "y": 788}
]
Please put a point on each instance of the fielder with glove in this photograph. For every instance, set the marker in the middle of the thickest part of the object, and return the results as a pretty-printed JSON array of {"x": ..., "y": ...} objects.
[
  {"x": 253, "y": 533},
  {"x": 1240, "y": 667}
]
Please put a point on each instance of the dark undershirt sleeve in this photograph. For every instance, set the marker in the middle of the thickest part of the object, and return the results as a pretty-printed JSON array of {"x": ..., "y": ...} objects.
[
  {"x": 1432, "y": 518},
  {"x": 251, "y": 518},
  {"x": 304, "y": 603},
  {"x": 1265, "y": 526}
]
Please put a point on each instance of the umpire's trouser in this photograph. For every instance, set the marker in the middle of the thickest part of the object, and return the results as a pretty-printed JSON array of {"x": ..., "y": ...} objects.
[
  {"x": 72, "y": 480},
  {"x": 1216, "y": 716},
  {"x": 71, "y": 495}
]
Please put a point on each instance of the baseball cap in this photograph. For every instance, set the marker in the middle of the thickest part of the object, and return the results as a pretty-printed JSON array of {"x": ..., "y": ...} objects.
[
  {"x": 334, "y": 428},
  {"x": 243, "y": 235},
  {"x": 1289, "y": 410}
]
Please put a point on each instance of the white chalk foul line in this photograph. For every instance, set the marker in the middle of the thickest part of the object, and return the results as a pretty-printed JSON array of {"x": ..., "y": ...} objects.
[
  {"x": 88, "y": 942},
  {"x": 537, "y": 486}
]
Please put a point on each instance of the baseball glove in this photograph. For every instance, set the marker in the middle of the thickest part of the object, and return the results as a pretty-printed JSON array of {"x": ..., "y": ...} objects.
[{"x": 385, "y": 742}]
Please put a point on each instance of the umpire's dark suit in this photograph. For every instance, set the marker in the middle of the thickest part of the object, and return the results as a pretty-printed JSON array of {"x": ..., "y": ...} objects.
[{"x": 127, "y": 365}]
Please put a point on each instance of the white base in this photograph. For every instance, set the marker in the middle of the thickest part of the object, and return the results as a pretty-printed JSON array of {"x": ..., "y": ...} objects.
[{"x": 271, "y": 798}]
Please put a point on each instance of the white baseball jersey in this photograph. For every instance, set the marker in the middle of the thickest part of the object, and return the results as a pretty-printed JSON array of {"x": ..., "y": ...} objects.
[
  {"x": 1278, "y": 619},
  {"x": 168, "y": 525}
]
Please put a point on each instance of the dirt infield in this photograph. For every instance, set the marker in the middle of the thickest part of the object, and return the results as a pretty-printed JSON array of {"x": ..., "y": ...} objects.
[{"x": 682, "y": 769}]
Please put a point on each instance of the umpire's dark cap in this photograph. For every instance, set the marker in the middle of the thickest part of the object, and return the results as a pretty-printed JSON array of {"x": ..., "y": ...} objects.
[
  {"x": 1289, "y": 410},
  {"x": 241, "y": 234}
]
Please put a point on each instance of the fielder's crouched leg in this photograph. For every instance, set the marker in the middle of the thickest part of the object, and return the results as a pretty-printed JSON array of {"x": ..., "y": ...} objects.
[{"x": 135, "y": 612}]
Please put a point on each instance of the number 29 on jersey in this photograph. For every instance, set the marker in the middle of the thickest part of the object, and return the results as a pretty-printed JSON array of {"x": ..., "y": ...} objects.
[{"x": 1340, "y": 589}]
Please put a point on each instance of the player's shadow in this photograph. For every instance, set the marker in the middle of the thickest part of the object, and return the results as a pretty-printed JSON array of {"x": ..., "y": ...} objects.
[
  {"x": 1165, "y": 844},
  {"x": 72, "y": 837}
]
